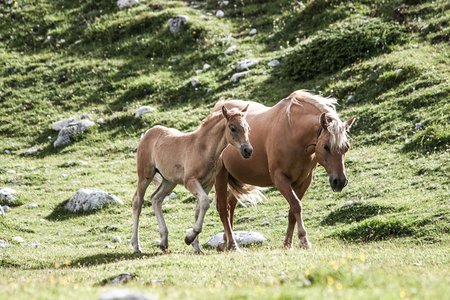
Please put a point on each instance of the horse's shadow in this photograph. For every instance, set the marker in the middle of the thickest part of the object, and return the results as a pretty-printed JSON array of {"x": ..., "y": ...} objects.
[{"x": 108, "y": 258}]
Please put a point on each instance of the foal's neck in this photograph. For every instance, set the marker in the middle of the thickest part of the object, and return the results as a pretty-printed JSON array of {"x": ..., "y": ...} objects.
[{"x": 212, "y": 135}]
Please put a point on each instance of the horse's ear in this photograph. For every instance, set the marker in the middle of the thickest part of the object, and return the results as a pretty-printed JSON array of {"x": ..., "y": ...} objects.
[
  {"x": 349, "y": 123},
  {"x": 225, "y": 112},
  {"x": 324, "y": 121},
  {"x": 245, "y": 108}
]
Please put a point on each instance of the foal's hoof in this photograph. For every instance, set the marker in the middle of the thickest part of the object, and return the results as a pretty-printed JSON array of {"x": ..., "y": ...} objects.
[
  {"x": 137, "y": 251},
  {"x": 190, "y": 236},
  {"x": 305, "y": 244}
]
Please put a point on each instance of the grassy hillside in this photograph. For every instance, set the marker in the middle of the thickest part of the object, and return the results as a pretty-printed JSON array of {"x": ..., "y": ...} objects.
[{"x": 387, "y": 63}]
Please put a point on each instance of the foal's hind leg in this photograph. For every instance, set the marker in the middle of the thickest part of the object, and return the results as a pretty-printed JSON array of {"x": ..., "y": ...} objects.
[
  {"x": 157, "y": 199},
  {"x": 138, "y": 201},
  {"x": 203, "y": 203}
]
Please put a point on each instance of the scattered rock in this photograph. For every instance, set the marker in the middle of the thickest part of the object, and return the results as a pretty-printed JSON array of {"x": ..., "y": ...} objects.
[
  {"x": 111, "y": 228},
  {"x": 206, "y": 67},
  {"x": 171, "y": 196},
  {"x": 274, "y": 63},
  {"x": 7, "y": 151},
  {"x": 236, "y": 76},
  {"x": 30, "y": 151},
  {"x": 107, "y": 246},
  {"x": 351, "y": 99},
  {"x": 6, "y": 208},
  {"x": 2, "y": 212},
  {"x": 32, "y": 205},
  {"x": 57, "y": 126},
  {"x": 246, "y": 64},
  {"x": 195, "y": 81},
  {"x": 177, "y": 23},
  {"x": 116, "y": 239},
  {"x": 34, "y": 245},
  {"x": 349, "y": 203},
  {"x": 220, "y": 13},
  {"x": 8, "y": 195},
  {"x": 67, "y": 133},
  {"x": 18, "y": 239},
  {"x": 143, "y": 110},
  {"x": 122, "y": 294},
  {"x": 90, "y": 199},
  {"x": 4, "y": 244},
  {"x": 224, "y": 3},
  {"x": 265, "y": 223},
  {"x": 230, "y": 50},
  {"x": 419, "y": 126},
  {"x": 253, "y": 31},
  {"x": 119, "y": 279},
  {"x": 126, "y": 3},
  {"x": 243, "y": 238}
]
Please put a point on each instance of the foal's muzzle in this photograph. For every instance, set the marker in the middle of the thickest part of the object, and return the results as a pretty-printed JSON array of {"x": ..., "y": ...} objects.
[
  {"x": 246, "y": 151},
  {"x": 338, "y": 182}
]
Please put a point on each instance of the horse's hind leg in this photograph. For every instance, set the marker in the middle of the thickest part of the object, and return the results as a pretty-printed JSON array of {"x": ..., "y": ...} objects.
[
  {"x": 157, "y": 199},
  {"x": 203, "y": 205},
  {"x": 138, "y": 201},
  {"x": 196, "y": 243}
]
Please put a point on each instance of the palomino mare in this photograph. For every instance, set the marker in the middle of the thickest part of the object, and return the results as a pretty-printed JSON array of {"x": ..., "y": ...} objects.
[
  {"x": 289, "y": 139},
  {"x": 191, "y": 159}
]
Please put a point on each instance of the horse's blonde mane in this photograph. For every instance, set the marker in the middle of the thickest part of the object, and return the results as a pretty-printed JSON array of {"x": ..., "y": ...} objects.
[
  {"x": 336, "y": 128},
  {"x": 212, "y": 117}
]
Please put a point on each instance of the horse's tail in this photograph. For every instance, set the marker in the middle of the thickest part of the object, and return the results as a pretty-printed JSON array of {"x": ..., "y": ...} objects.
[{"x": 246, "y": 194}]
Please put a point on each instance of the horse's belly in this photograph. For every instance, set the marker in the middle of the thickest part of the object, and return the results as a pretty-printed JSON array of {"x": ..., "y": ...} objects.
[{"x": 252, "y": 171}]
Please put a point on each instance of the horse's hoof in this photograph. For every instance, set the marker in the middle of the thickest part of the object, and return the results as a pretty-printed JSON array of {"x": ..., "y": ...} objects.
[
  {"x": 190, "y": 236},
  {"x": 137, "y": 251},
  {"x": 163, "y": 248},
  {"x": 305, "y": 244},
  {"x": 221, "y": 247}
]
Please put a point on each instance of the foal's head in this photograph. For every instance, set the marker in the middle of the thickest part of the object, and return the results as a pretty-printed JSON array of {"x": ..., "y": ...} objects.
[
  {"x": 331, "y": 147},
  {"x": 237, "y": 130}
]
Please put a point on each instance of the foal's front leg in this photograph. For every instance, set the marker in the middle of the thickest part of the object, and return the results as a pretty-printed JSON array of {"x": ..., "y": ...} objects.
[{"x": 203, "y": 205}]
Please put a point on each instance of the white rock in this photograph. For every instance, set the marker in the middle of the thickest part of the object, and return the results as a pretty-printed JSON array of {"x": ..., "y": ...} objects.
[
  {"x": 126, "y": 3},
  {"x": 224, "y": 3},
  {"x": 18, "y": 239},
  {"x": 34, "y": 245},
  {"x": 176, "y": 23},
  {"x": 242, "y": 238},
  {"x": 350, "y": 203},
  {"x": 123, "y": 294},
  {"x": 220, "y": 14},
  {"x": 32, "y": 205},
  {"x": 246, "y": 64},
  {"x": 230, "y": 50},
  {"x": 236, "y": 76},
  {"x": 206, "y": 67},
  {"x": 63, "y": 123},
  {"x": 2, "y": 212},
  {"x": 8, "y": 195},
  {"x": 195, "y": 81},
  {"x": 143, "y": 110},
  {"x": 31, "y": 151},
  {"x": 172, "y": 195},
  {"x": 90, "y": 199},
  {"x": 274, "y": 63},
  {"x": 4, "y": 244},
  {"x": 253, "y": 31},
  {"x": 116, "y": 239},
  {"x": 6, "y": 208}
]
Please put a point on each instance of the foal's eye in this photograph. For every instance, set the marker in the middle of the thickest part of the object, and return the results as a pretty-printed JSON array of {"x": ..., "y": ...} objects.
[
  {"x": 232, "y": 129},
  {"x": 327, "y": 148}
]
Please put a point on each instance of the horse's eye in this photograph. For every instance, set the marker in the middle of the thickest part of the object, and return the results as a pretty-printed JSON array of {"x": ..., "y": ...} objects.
[
  {"x": 233, "y": 129},
  {"x": 327, "y": 148}
]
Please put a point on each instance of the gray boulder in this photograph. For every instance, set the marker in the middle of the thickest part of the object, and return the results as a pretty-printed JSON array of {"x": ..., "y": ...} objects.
[
  {"x": 230, "y": 50},
  {"x": 177, "y": 23},
  {"x": 243, "y": 238},
  {"x": 274, "y": 63},
  {"x": 67, "y": 133},
  {"x": 246, "y": 64},
  {"x": 2, "y": 212},
  {"x": 121, "y": 4},
  {"x": 8, "y": 195},
  {"x": 143, "y": 110},
  {"x": 4, "y": 244},
  {"x": 90, "y": 199},
  {"x": 236, "y": 76}
]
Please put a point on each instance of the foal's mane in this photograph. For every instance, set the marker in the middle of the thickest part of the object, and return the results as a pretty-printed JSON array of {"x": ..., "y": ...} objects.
[
  {"x": 336, "y": 128},
  {"x": 213, "y": 117}
]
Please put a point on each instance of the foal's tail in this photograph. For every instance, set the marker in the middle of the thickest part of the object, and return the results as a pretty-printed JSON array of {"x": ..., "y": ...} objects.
[{"x": 246, "y": 194}]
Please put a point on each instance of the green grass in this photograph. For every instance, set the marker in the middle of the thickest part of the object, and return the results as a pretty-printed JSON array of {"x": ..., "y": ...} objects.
[{"x": 64, "y": 58}]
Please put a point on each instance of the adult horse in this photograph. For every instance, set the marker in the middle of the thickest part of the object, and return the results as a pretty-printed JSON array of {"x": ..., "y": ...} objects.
[
  {"x": 191, "y": 159},
  {"x": 289, "y": 140}
]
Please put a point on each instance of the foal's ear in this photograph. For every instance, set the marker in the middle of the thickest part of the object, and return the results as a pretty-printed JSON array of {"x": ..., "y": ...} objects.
[
  {"x": 324, "y": 122},
  {"x": 245, "y": 108},
  {"x": 225, "y": 112},
  {"x": 349, "y": 123}
]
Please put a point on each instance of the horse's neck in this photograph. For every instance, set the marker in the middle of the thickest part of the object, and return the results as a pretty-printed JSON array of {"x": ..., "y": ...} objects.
[{"x": 212, "y": 136}]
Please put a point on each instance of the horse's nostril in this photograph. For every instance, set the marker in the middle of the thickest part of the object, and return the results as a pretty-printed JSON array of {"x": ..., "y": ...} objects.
[{"x": 335, "y": 182}]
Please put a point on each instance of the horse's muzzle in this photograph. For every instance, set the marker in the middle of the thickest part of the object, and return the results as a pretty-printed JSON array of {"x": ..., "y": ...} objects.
[
  {"x": 246, "y": 151},
  {"x": 337, "y": 183}
]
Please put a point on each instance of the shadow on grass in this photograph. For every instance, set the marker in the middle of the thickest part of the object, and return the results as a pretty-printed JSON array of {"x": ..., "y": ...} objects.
[
  {"x": 108, "y": 258},
  {"x": 59, "y": 213},
  {"x": 356, "y": 213}
]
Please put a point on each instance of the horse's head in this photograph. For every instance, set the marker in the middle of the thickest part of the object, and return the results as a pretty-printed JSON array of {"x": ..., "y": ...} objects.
[
  {"x": 331, "y": 147},
  {"x": 237, "y": 130}
]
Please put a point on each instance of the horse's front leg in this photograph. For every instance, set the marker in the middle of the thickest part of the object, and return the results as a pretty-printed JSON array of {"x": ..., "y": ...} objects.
[
  {"x": 203, "y": 205},
  {"x": 138, "y": 201},
  {"x": 284, "y": 185}
]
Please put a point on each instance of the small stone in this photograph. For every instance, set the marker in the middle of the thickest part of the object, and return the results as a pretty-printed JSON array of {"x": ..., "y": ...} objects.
[
  {"x": 63, "y": 123},
  {"x": 349, "y": 203},
  {"x": 116, "y": 239},
  {"x": 4, "y": 244},
  {"x": 224, "y": 3},
  {"x": 126, "y": 3},
  {"x": 34, "y": 245},
  {"x": 2, "y": 212},
  {"x": 30, "y": 151},
  {"x": 195, "y": 81},
  {"x": 177, "y": 23},
  {"x": 230, "y": 50},
  {"x": 143, "y": 110},
  {"x": 107, "y": 246},
  {"x": 90, "y": 199},
  {"x": 243, "y": 238},
  {"x": 66, "y": 134},
  {"x": 111, "y": 228},
  {"x": 8, "y": 195},
  {"x": 220, "y": 14},
  {"x": 274, "y": 63},
  {"x": 253, "y": 31},
  {"x": 351, "y": 99},
  {"x": 246, "y": 64},
  {"x": 122, "y": 294},
  {"x": 7, "y": 151},
  {"x": 206, "y": 67},
  {"x": 18, "y": 239},
  {"x": 171, "y": 196},
  {"x": 6, "y": 208},
  {"x": 237, "y": 76},
  {"x": 32, "y": 205},
  {"x": 419, "y": 126},
  {"x": 265, "y": 223}
]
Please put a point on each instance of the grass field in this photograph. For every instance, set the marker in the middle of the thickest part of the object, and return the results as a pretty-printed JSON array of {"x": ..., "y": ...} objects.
[{"x": 387, "y": 63}]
